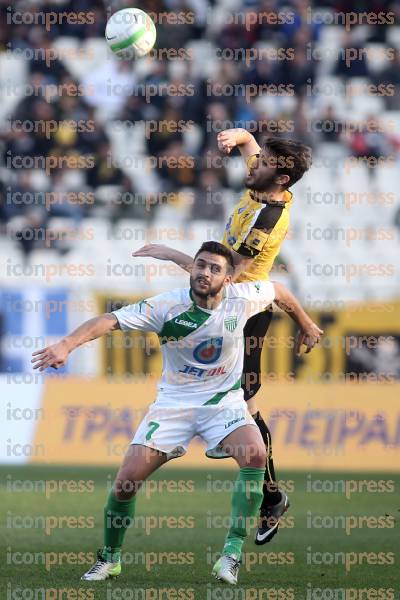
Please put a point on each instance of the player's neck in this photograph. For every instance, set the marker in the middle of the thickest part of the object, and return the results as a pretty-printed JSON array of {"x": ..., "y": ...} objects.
[
  {"x": 209, "y": 303},
  {"x": 269, "y": 196}
]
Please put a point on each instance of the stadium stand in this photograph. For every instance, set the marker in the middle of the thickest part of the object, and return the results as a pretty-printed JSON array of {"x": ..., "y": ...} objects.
[{"x": 338, "y": 198}]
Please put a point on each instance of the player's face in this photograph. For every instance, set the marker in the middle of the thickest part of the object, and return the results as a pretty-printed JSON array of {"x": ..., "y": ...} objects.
[
  {"x": 209, "y": 274},
  {"x": 261, "y": 176}
]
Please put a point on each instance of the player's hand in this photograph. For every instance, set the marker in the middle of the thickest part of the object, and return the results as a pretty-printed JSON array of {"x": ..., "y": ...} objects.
[
  {"x": 153, "y": 251},
  {"x": 54, "y": 356},
  {"x": 309, "y": 336},
  {"x": 230, "y": 138},
  {"x": 226, "y": 141}
]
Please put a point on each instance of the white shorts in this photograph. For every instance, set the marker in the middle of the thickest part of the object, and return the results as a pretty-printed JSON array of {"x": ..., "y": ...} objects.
[{"x": 169, "y": 428}]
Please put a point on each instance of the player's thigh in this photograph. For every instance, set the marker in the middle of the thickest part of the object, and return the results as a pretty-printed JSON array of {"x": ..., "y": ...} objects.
[
  {"x": 254, "y": 333},
  {"x": 215, "y": 423},
  {"x": 166, "y": 428},
  {"x": 138, "y": 464},
  {"x": 246, "y": 446}
]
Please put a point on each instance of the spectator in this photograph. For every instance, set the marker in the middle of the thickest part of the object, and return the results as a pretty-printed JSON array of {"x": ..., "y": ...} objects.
[
  {"x": 209, "y": 197},
  {"x": 390, "y": 78},
  {"x": 354, "y": 68}
]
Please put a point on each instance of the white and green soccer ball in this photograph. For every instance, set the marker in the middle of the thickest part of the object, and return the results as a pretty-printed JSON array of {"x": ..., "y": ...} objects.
[{"x": 130, "y": 33}]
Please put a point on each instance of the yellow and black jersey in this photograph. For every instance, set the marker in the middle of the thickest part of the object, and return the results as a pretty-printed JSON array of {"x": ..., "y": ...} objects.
[{"x": 257, "y": 230}]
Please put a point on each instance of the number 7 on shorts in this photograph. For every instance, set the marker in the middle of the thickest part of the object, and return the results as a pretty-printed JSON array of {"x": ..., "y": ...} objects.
[{"x": 153, "y": 426}]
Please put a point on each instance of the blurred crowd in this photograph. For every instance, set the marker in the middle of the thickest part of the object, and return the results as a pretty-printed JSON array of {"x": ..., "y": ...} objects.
[{"x": 199, "y": 112}]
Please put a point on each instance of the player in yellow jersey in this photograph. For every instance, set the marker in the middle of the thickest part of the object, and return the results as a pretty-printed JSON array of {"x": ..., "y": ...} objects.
[{"x": 254, "y": 233}]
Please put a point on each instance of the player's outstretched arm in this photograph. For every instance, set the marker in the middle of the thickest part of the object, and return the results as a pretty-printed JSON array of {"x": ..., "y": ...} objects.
[
  {"x": 165, "y": 253},
  {"x": 309, "y": 333},
  {"x": 230, "y": 138},
  {"x": 56, "y": 355}
]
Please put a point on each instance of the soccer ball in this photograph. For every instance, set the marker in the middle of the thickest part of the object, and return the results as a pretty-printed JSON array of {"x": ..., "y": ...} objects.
[{"x": 130, "y": 33}]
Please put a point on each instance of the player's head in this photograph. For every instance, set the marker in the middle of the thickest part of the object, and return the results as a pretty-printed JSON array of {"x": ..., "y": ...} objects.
[
  {"x": 212, "y": 269},
  {"x": 280, "y": 163}
]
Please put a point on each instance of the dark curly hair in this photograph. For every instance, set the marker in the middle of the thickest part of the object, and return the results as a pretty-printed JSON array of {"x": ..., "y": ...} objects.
[
  {"x": 220, "y": 249},
  {"x": 294, "y": 158}
]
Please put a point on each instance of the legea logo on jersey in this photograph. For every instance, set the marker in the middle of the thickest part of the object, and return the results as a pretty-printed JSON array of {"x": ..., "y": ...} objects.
[{"x": 209, "y": 351}]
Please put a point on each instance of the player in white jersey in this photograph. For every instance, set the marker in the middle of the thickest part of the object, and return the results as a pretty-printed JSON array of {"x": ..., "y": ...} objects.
[{"x": 201, "y": 334}]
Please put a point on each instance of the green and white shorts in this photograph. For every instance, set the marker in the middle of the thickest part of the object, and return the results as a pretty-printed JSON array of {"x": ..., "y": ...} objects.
[{"x": 170, "y": 428}]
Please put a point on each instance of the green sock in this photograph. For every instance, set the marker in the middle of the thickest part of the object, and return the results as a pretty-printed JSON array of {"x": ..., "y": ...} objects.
[
  {"x": 118, "y": 515},
  {"x": 246, "y": 501}
]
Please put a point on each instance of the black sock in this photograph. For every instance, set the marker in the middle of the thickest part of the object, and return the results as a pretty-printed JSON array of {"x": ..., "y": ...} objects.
[{"x": 271, "y": 492}]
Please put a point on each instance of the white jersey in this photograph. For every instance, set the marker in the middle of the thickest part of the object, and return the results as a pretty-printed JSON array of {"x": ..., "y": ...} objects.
[{"x": 202, "y": 349}]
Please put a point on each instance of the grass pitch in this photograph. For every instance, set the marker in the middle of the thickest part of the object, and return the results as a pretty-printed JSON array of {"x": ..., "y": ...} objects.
[{"x": 339, "y": 540}]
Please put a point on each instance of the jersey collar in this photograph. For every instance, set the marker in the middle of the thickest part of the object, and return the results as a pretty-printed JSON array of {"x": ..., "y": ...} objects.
[{"x": 261, "y": 198}]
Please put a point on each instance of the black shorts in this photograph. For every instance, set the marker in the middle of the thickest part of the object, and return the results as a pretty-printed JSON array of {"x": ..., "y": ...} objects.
[{"x": 254, "y": 333}]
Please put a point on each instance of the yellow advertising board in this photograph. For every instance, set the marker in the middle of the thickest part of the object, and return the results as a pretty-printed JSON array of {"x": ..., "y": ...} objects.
[{"x": 314, "y": 426}]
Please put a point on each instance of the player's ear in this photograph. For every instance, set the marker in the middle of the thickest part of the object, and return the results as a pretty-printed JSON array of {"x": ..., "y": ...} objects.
[{"x": 282, "y": 179}]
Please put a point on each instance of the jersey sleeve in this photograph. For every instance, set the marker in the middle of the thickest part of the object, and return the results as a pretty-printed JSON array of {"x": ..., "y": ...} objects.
[
  {"x": 262, "y": 232},
  {"x": 257, "y": 294},
  {"x": 146, "y": 315}
]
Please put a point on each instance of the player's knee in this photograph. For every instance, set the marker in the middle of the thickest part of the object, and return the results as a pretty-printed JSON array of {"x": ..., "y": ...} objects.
[
  {"x": 252, "y": 407},
  {"x": 257, "y": 456},
  {"x": 125, "y": 487}
]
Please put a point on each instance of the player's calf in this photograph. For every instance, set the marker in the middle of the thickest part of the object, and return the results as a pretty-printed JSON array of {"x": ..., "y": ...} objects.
[
  {"x": 246, "y": 446},
  {"x": 119, "y": 511}
]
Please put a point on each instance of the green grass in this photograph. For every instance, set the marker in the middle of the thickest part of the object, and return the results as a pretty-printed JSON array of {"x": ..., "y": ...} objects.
[{"x": 283, "y": 564}]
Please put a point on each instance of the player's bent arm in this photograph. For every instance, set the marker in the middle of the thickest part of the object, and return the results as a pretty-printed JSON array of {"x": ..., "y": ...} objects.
[
  {"x": 162, "y": 252},
  {"x": 56, "y": 355},
  {"x": 310, "y": 333},
  {"x": 289, "y": 303},
  {"x": 242, "y": 263},
  {"x": 243, "y": 139}
]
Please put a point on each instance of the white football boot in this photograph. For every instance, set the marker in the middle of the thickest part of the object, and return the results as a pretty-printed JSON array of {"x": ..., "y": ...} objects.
[
  {"x": 102, "y": 570},
  {"x": 227, "y": 568}
]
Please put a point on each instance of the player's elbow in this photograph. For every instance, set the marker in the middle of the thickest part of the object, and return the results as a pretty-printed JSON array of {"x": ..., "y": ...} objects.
[
  {"x": 280, "y": 292},
  {"x": 110, "y": 321},
  {"x": 242, "y": 264}
]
